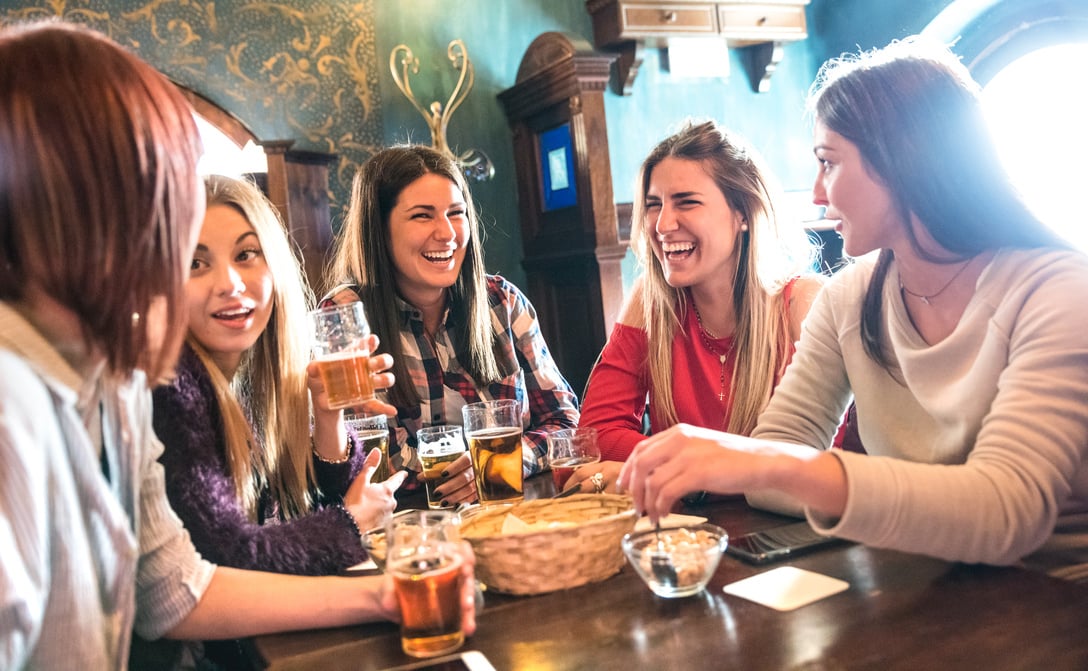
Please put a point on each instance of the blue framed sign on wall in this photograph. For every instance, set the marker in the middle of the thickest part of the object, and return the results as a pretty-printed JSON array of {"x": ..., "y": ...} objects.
[{"x": 557, "y": 167}]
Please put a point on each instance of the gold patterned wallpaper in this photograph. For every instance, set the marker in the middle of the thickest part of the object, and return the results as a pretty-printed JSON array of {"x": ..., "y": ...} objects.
[{"x": 302, "y": 70}]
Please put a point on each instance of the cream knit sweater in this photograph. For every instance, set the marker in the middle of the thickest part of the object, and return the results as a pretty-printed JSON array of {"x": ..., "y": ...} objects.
[{"x": 980, "y": 456}]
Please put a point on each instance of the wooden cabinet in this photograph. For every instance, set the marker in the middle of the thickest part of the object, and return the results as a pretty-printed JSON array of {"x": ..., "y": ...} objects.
[
  {"x": 758, "y": 27},
  {"x": 573, "y": 249}
]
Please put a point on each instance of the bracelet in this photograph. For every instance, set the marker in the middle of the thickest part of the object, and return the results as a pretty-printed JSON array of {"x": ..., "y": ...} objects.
[
  {"x": 351, "y": 519},
  {"x": 346, "y": 458}
]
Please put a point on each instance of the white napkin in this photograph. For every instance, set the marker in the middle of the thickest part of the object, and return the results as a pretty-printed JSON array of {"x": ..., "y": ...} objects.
[{"x": 786, "y": 587}]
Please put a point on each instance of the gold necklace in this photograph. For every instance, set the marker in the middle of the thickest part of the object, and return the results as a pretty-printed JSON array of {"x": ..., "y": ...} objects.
[
  {"x": 926, "y": 299},
  {"x": 708, "y": 340}
]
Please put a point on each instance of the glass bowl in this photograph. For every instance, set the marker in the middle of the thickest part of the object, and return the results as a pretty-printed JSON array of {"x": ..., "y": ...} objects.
[{"x": 692, "y": 552}]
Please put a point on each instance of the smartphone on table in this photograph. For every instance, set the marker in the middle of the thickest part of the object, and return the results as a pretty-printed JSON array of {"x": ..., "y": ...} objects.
[
  {"x": 469, "y": 660},
  {"x": 784, "y": 542}
]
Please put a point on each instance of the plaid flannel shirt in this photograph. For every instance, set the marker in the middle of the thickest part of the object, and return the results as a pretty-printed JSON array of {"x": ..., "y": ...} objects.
[{"x": 548, "y": 402}]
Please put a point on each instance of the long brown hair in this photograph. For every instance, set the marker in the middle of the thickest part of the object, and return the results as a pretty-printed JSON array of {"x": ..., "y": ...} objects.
[
  {"x": 99, "y": 192},
  {"x": 770, "y": 255},
  {"x": 363, "y": 257},
  {"x": 913, "y": 111}
]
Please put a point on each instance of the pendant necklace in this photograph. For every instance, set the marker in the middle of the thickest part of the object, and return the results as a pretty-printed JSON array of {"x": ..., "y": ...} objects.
[
  {"x": 922, "y": 297},
  {"x": 708, "y": 340}
]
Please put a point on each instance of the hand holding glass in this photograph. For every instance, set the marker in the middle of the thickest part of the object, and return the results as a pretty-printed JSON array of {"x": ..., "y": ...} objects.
[
  {"x": 568, "y": 449},
  {"x": 423, "y": 556},
  {"x": 438, "y": 447},
  {"x": 493, "y": 430},
  {"x": 341, "y": 353}
]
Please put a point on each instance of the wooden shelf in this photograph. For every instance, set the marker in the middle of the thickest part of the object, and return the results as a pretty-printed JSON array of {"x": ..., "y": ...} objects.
[{"x": 760, "y": 28}]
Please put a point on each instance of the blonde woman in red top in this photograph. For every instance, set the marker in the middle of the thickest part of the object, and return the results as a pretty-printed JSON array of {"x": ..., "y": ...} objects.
[{"x": 725, "y": 282}]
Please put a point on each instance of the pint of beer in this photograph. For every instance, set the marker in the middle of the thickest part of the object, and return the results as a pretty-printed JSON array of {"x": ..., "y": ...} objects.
[
  {"x": 373, "y": 432},
  {"x": 437, "y": 447},
  {"x": 493, "y": 430},
  {"x": 424, "y": 560},
  {"x": 343, "y": 360}
]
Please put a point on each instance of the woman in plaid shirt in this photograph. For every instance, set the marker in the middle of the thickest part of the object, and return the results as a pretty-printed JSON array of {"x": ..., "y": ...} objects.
[{"x": 411, "y": 251}]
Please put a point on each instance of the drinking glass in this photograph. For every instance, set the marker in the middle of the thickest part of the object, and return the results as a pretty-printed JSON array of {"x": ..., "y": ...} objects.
[
  {"x": 438, "y": 447},
  {"x": 343, "y": 359},
  {"x": 373, "y": 433},
  {"x": 493, "y": 430},
  {"x": 424, "y": 559},
  {"x": 570, "y": 448}
]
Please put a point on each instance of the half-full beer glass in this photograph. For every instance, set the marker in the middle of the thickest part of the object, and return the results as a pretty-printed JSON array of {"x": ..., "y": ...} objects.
[
  {"x": 424, "y": 558},
  {"x": 340, "y": 350},
  {"x": 570, "y": 448},
  {"x": 373, "y": 432},
  {"x": 493, "y": 431},
  {"x": 438, "y": 447}
]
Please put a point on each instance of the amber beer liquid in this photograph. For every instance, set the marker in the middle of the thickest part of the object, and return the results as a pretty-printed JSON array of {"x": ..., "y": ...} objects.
[
  {"x": 377, "y": 438},
  {"x": 564, "y": 468},
  {"x": 496, "y": 460},
  {"x": 433, "y": 465},
  {"x": 346, "y": 376},
  {"x": 429, "y": 592}
]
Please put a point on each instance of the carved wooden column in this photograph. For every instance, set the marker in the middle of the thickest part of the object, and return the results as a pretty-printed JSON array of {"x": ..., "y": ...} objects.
[
  {"x": 568, "y": 218},
  {"x": 298, "y": 185}
]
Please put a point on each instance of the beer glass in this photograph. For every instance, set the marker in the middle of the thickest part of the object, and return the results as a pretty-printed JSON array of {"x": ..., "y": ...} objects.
[
  {"x": 437, "y": 447},
  {"x": 423, "y": 557},
  {"x": 373, "y": 433},
  {"x": 493, "y": 431},
  {"x": 570, "y": 448},
  {"x": 342, "y": 357}
]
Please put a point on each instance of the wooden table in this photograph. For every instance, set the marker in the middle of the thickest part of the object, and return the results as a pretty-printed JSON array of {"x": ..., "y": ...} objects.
[{"x": 902, "y": 611}]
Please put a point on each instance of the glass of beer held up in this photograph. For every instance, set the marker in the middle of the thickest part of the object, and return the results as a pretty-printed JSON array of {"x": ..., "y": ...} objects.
[
  {"x": 493, "y": 431},
  {"x": 438, "y": 447},
  {"x": 424, "y": 558},
  {"x": 340, "y": 333}
]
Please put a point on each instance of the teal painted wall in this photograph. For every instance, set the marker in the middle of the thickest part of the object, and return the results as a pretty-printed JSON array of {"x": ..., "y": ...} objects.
[
  {"x": 317, "y": 71},
  {"x": 496, "y": 34}
]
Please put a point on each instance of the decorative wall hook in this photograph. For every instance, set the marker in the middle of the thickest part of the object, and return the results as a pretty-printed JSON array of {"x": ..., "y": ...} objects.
[{"x": 474, "y": 163}]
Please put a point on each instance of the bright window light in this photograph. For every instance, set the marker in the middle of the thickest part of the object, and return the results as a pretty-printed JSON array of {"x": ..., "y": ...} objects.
[
  {"x": 1037, "y": 109},
  {"x": 223, "y": 157}
]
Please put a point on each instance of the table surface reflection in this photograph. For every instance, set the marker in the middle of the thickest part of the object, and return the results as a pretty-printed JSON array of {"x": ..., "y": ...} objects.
[{"x": 902, "y": 611}]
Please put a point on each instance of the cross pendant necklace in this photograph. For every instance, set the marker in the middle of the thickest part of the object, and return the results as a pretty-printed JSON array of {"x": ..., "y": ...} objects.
[{"x": 708, "y": 341}]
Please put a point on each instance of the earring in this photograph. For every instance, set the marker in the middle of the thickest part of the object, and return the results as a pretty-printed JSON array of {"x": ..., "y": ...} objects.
[{"x": 744, "y": 227}]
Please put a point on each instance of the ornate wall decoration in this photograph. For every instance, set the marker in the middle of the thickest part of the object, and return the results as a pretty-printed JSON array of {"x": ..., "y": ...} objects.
[{"x": 304, "y": 70}]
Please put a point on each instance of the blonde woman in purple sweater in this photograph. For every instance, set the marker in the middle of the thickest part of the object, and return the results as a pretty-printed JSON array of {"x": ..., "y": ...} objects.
[{"x": 236, "y": 419}]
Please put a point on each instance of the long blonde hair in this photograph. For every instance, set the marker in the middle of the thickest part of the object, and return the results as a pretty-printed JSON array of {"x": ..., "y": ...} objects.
[
  {"x": 769, "y": 256},
  {"x": 272, "y": 447}
]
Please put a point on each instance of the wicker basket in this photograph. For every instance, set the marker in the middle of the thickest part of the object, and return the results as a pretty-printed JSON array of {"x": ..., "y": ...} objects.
[{"x": 542, "y": 561}]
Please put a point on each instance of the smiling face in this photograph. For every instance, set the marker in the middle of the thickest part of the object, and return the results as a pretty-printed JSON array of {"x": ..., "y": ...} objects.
[
  {"x": 693, "y": 229},
  {"x": 428, "y": 234},
  {"x": 863, "y": 206},
  {"x": 230, "y": 287}
]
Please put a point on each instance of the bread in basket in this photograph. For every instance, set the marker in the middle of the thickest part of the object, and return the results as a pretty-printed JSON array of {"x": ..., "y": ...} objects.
[{"x": 584, "y": 547}]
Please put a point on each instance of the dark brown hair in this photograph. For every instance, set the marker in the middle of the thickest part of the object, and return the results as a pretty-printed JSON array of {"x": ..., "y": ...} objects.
[{"x": 363, "y": 257}]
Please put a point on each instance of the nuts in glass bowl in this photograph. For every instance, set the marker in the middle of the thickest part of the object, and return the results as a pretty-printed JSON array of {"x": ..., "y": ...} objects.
[{"x": 694, "y": 553}]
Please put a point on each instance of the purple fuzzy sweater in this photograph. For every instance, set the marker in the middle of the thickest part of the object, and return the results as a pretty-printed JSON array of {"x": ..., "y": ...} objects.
[{"x": 188, "y": 422}]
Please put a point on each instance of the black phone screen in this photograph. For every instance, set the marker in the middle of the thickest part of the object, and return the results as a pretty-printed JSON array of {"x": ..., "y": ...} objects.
[{"x": 764, "y": 546}]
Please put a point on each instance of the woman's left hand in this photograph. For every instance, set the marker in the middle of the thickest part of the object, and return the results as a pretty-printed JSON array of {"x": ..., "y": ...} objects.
[
  {"x": 586, "y": 476},
  {"x": 459, "y": 483},
  {"x": 370, "y": 502}
]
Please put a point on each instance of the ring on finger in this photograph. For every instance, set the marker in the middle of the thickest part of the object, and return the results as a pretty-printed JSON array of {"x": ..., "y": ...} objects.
[{"x": 598, "y": 482}]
